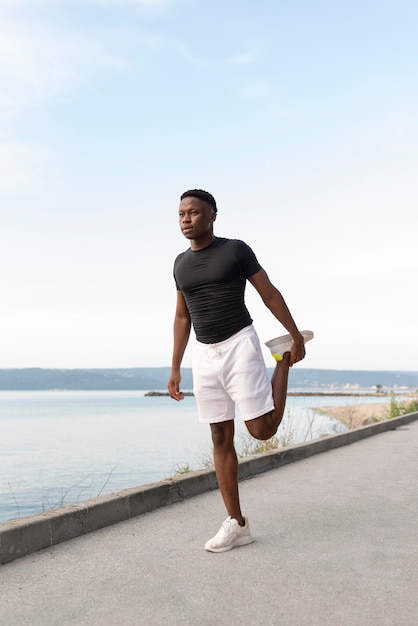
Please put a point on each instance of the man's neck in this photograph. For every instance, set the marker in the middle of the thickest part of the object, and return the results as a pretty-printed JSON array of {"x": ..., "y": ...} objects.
[{"x": 199, "y": 244}]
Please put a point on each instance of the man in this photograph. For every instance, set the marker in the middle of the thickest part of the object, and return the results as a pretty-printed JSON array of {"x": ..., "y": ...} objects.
[{"x": 228, "y": 366}]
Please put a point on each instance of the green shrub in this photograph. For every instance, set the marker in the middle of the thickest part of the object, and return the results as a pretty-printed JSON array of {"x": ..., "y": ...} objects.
[
  {"x": 182, "y": 469},
  {"x": 401, "y": 408}
]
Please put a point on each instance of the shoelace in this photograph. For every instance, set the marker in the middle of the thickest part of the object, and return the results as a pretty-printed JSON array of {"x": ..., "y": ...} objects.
[{"x": 226, "y": 525}]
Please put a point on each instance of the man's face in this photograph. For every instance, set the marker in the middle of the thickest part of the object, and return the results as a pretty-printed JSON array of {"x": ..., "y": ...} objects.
[{"x": 196, "y": 218}]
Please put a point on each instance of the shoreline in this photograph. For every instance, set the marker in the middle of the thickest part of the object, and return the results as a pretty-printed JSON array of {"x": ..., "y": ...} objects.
[
  {"x": 362, "y": 414},
  {"x": 330, "y": 394}
]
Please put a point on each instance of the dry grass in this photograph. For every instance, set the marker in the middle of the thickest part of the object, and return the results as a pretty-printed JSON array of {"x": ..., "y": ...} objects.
[{"x": 356, "y": 415}]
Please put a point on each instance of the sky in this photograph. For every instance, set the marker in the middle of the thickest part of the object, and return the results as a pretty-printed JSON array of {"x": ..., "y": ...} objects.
[{"x": 299, "y": 117}]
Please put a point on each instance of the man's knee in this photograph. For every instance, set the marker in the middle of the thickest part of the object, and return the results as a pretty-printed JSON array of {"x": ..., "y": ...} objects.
[
  {"x": 222, "y": 434},
  {"x": 262, "y": 428}
]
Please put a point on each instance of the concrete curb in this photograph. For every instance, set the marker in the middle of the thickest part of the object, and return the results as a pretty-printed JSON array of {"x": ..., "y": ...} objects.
[{"x": 27, "y": 535}]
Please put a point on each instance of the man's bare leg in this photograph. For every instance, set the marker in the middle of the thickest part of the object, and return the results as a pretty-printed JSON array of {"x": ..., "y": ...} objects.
[
  {"x": 226, "y": 467},
  {"x": 266, "y": 426}
]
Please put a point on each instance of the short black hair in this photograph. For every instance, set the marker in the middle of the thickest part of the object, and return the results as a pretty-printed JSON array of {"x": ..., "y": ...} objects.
[{"x": 201, "y": 195}]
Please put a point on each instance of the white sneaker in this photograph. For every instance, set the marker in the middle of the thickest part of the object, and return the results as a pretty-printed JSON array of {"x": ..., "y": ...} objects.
[
  {"x": 279, "y": 345},
  {"x": 230, "y": 535}
]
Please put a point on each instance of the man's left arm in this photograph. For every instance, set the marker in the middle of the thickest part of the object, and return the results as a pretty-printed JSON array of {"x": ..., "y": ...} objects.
[{"x": 274, "y": 301}]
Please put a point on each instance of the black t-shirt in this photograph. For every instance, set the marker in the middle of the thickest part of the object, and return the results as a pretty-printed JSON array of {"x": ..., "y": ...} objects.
[{"x": 212, "y": 281}]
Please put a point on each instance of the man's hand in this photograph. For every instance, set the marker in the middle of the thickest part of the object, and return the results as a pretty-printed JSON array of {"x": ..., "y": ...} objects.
[
  {"x": 174, "y": 387},
  {"x": 297, "y": 352}
]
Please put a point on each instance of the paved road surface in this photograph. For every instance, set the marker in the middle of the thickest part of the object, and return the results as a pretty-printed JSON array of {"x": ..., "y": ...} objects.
[{"x": 336, "y": 544}]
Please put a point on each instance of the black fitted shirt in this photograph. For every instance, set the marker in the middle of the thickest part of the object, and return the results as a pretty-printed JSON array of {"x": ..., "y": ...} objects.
[{"x": 212, "y": 281}]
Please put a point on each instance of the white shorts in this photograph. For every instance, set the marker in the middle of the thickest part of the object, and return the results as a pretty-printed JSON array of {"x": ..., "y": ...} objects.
[{"x": 231, "y": 373}]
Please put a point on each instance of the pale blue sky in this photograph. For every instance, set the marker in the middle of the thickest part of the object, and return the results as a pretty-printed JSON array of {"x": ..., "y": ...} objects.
[{"x": 300, "y": 117}]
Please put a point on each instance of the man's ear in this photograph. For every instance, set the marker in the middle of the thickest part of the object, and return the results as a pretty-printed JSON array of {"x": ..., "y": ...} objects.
[{"x": 213, "y": 216}]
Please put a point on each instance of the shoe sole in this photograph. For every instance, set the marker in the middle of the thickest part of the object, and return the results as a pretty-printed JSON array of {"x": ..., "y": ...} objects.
[
  {"x": 276, "y": 343},
  {"x": 241, "y": 541}
]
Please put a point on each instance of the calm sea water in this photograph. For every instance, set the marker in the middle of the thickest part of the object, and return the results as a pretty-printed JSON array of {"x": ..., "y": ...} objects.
[{"x": 60, "y": 447}]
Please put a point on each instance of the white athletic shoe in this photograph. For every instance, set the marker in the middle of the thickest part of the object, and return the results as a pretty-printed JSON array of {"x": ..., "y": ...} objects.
[
  {"x": 230, "y": 535},
  {"x": 279, "y": 345}
]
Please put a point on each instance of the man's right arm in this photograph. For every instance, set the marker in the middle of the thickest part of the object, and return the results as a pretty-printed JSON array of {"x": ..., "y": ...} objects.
[{"x": 182, "y": 326}]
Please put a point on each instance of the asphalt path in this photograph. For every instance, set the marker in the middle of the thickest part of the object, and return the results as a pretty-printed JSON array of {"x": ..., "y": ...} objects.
[{"x": 336, "y": 542}]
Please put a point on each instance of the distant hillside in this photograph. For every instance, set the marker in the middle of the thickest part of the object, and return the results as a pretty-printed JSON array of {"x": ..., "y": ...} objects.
[
  {"x": 307, "y": 378},
  {"x": 146, "y": 378},
  {"x": 88, "y": 379}
]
